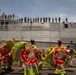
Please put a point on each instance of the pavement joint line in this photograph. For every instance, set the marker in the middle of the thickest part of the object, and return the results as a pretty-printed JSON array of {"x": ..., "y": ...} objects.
[{"x": 19, "y": 68}]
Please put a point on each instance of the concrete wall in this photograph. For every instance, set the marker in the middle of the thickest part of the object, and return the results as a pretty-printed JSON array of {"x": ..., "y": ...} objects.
[
  {"x": 44, "y": 32},
  {"x": 26, "y": 35}
]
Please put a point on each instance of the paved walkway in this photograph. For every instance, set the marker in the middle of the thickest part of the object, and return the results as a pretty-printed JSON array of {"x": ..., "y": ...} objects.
[{"x": 46, "y": 70}]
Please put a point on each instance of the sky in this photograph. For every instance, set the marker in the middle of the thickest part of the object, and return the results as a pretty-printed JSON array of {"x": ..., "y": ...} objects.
[{"x": 40, "y": 8}]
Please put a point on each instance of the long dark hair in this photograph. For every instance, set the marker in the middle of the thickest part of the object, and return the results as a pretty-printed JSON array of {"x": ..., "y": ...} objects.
[{"x": 32, "y": 42}]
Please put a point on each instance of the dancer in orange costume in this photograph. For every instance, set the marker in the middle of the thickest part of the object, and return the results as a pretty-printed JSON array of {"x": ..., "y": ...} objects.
[
  {"x": 59, "y": 57},
  {"x": 27, "y": 57},
  {"x": 1, "y": 57},
  {"x": 7, "y": 60},
  {"x": 30, "y": 56}
]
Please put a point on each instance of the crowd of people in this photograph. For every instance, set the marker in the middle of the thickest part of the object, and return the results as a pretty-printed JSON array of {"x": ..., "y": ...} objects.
[{"x": 31, "y": 57}]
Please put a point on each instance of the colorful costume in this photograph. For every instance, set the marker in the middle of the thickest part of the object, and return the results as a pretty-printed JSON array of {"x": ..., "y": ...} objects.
[
  {"x": 1, "y": 59},
  {"x": 72, "y": 55},
  {"x": 59, "y": 56},
  {"x": 28, "y": 57},
  {"x": 7, "y": 60},
  {"x": 49, "y": 59},
  {"x": 56, "y": 59},
  {"x": 48, "y": 50}
]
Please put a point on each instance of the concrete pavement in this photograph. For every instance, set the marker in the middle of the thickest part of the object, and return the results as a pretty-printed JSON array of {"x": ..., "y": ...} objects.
[{"x": 46, "y": 70}]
